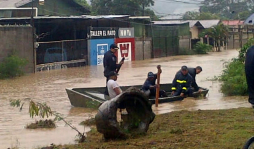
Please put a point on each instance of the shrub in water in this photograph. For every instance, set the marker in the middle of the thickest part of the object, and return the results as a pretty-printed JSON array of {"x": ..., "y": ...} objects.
[
  {"x": 202, "y": 48},
  {"x": 12, "y": 67},
  {"x": 233, "y": 77}
]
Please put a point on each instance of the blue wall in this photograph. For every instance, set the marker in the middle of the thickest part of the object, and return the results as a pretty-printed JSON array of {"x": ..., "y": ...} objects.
[{"x": 97, "y": 49}]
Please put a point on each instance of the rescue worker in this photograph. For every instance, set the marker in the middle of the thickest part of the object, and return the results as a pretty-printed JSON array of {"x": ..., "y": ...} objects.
[
  {"x": 193, "y": 72},
  {"x": 249, "y": 72},
  {"x": 149, "y": 87},
  {"x": 181, "y": 84},
  {"x": 110, "y": 64}
]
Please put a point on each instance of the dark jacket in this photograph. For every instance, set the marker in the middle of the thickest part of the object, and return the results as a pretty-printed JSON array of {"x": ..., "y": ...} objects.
[
  {"x": 109, "y": 62},
  {"x": 148, "y": 83},
  {"x": 249, "y": 71},
  {"x": 192, "y": 72},
  {"x": 181, "y": 82}
]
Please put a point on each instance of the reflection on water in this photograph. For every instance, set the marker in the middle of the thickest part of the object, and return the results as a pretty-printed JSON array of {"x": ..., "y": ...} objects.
[{"x": 50, "y": 87}]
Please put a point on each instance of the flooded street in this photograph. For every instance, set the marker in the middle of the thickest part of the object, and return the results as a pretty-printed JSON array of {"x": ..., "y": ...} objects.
[{"x": 49, "y": 87}]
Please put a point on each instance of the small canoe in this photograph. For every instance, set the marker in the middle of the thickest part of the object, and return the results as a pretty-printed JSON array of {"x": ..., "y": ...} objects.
[{"x": 94, "y": 97}]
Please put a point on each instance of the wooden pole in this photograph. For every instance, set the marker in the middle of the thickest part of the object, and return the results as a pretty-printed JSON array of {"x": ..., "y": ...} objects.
[{"x": 158, "y": 85}]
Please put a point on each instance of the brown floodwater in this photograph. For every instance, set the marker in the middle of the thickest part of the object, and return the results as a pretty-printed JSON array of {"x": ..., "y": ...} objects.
[{"x": 49, "y": 87}]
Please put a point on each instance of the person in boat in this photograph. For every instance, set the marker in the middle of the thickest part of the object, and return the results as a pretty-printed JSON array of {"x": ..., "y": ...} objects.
[
  {"x": 110, "y": 63},
  {"x": 181, "y": 84},
  {"x": 112, "y": 86},
  {"x": 193, "y": 72},
  {"x": 149, "y": 87},
  {"x": 249, "y": 72}
]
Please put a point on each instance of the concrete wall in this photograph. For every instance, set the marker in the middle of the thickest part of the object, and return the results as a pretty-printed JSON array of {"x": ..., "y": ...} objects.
[
  {"x": 194, "y": 32},
  {"x": 143, "y": 51},
  {"x": 184, "y": 43},
  {"x": 17, "y": 39}
]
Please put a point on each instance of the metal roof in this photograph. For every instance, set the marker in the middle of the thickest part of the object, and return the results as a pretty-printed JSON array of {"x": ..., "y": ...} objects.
[
  {"x": 173, "y": 22},
  {"x": 204, "y": 23},
  {"x": 209, "y": 23},
  {"x": 249, "y": 20},
  {"x": 13, "y": 3},
  {"x": 232, "y": 22},
  {"x": 70, "y": 17}
]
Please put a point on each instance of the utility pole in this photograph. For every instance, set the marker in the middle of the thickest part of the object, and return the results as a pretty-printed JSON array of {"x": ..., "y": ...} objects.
[{"x": 32, "y": 24}]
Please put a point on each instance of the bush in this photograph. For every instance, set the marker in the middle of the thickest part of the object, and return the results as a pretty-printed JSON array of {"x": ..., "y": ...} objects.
[
  {"x": 12, "y": 66},
  {"x": 233, "y": 78},
  {"x": 202, "y": 48},
  {"x": 244, "y": 49}
]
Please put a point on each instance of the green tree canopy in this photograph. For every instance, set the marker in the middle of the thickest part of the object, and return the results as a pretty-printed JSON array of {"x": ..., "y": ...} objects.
[
  {"x": 124, "y": 7},
  {"x": 83, "y": 3},
  {"x": 219, "y": 34},
  {"x": 230, "y": 9},
  {"x": 193, "y": 15}
]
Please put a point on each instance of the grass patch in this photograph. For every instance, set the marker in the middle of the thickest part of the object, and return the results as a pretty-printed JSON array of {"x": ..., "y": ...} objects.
[
  {"x": 185, "y": 129},
  {"x": 88, "y": 122},
  {"x": 42, "y": 124}
]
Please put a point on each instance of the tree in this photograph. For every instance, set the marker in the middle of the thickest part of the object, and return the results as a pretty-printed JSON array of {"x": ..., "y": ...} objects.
[
  {"x": 194, "y": 15},
  {"x": 191, "y": 15},
  {"x": 83, "y": 3},
  {"x": 218, "y": 33},
  {"x": 124, "y": 7},
  {"x": 227, "y": 8}
]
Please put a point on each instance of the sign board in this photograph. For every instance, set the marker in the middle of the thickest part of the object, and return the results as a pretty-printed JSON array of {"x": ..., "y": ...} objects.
[
  {"x": 126, "y": 49},
  {"x": 97, "y": 49},
  {"x": 101, "y": 33},
  {"x": 126, "y": 33}
]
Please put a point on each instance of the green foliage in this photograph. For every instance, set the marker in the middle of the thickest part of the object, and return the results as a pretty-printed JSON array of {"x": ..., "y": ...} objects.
[
  {"x": 219, "y": 33},
  {"x": 42, "y": 110},
  {"x": 194, "y": 15},
  {"x": 38, "y": 109},
  {"x": 122, "y": 7},
  {"x": 228, "y": 9},
  {"x": 83, "y": 3},
  {"x": 244, "y": 49},
  {"x": 12, "y": 67},
  {"x": 202, "y": 48},
  {"x": 233, "y": 78}
]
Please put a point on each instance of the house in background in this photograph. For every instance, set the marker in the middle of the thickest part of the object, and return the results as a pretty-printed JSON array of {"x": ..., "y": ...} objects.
[{"x": 22, "y": 8}]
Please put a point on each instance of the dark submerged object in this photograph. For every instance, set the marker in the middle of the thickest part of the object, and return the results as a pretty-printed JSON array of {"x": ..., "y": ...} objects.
[
  {"x": 94, "y": 97},
  {"x": 137, "y": 119},
  {"x": 249, "y": 71}
]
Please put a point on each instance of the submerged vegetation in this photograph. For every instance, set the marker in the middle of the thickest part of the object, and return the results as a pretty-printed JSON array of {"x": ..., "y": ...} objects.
[
  {"x": 42, "y": 110},
  {"x": 12, "y": 66},
  {"x": 202, "y": 48},
  {"x": 233, "y": 76}
]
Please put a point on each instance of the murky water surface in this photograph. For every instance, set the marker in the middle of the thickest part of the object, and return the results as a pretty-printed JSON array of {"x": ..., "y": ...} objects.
[{"x": 50, "y": 87}]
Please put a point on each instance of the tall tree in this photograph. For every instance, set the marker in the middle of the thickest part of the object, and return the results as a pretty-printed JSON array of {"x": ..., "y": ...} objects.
[
  {"x": 227, "y": 8},
  {"x": 193, "y": 15},
  {"x": 219, "y": 34},
  {"x": 128, "y": 7}
]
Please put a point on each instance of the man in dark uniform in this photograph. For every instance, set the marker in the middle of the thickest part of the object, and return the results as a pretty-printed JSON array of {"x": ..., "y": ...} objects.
[
  {"x": 149, "y": 87},
  {"x": 110, "y": 63},
  {"x": 249, "y": 71},
  {"x": 181, "y": 84},
  {"x": 193, "y": 72}
]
